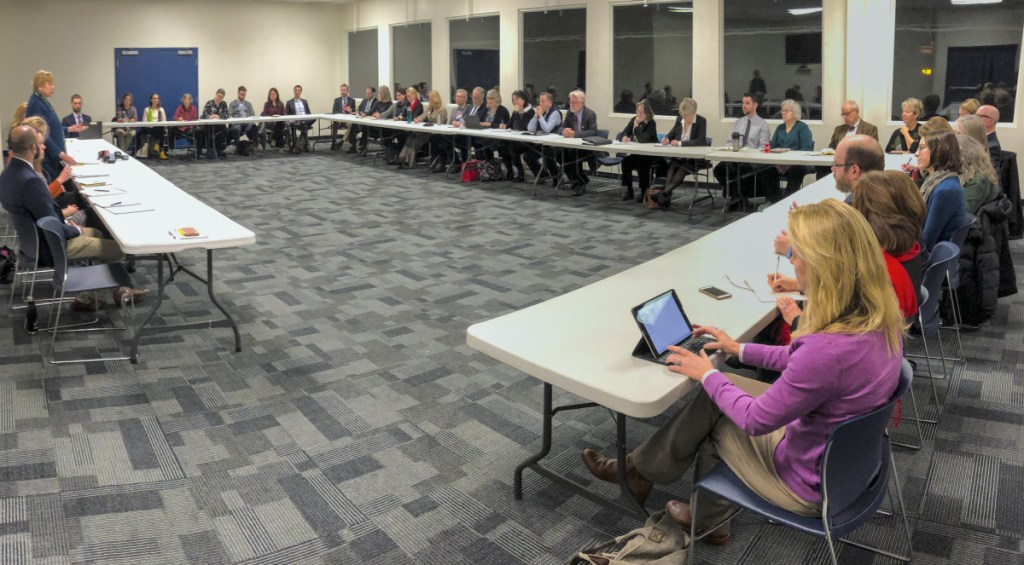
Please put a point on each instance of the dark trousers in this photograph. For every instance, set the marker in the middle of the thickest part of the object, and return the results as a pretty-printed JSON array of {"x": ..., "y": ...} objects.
[
  {"x": 743, "y": 175},
  {"x": 512, "y": 153},
  {"x": 538, "y": 156},
  {"x": 212, "y": 138},
  {"x": 642, "y": 165},
  {"x": 573, "y": 161},
  {"x": 794, "y": 180},
  {"x": 236, "y": 131}
]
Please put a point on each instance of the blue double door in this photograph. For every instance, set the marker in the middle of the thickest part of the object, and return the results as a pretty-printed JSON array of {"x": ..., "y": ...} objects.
[{"x": 169, "y": 72}]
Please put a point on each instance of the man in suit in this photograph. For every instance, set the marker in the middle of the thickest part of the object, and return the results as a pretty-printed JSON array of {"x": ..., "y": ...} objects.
[
  {"x": 298, "y": 106},
  {"x": 367, "y": 108},
  {"x": 343, "y": 104},
  {"x": 990, "y": 117},
  {"x": 23, "y": 193},
  {"x": 580, "y": 122},
  {"x": 852, "y": 125},
  {"x": 754, "y": 133},
  {"x": 476, "y": 107},
  {"x": 546, "y": 119},
  {"x": 75, "y": 122}
]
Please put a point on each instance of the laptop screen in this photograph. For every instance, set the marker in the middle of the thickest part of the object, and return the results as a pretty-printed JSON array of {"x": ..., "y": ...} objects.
[{"x": 664, "y": 322}]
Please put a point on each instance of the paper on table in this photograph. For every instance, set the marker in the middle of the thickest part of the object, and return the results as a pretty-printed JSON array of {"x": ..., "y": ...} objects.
[
  {"x": 100, "y": 191},
  {"x": 762, "y": 293}
]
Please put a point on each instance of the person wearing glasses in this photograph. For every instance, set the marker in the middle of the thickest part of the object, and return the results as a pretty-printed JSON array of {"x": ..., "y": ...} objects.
[
  {"x": 990, "y": 117},
  {"x": 852, "y": 125}
]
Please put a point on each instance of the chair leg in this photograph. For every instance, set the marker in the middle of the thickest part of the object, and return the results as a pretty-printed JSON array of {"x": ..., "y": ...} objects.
[
  {"x": 693, "y": 526},
  {"x": 903, "y": 515},
  {"x": 917, "y": 421}
]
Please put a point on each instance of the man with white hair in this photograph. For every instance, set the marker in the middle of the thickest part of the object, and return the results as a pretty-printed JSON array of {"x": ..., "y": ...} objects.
[
  {"x": 990, "y": 117},
  {"x": 852, "y": 125},
  {"x": 581, "y": 122}
]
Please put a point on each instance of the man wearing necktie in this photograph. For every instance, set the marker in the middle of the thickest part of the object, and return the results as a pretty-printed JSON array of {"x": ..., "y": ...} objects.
[
  {"x": 852, "y": 125},
  {"x": 737, "y": 179},
  {"x": 581, "y": 122},
  {"x": 343, "y": 104},
  {"x": 75, "y": 122}
]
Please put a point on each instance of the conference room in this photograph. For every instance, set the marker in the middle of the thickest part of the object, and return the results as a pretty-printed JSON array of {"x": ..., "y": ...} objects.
[{"x": 349, "y": 362}]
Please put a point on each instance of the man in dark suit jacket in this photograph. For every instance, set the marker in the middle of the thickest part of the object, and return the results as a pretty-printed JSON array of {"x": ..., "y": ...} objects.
[
  {"x": 852, "y": 125},
  {"x": 343, "y": 104},
  {"x": 298, "y": 106},
  {"x": 24, "y": 193},
  {"x": 75, "y": 122},
  {"x": 580, "y": 122},
  {"x": 990, "y": 117},
  {"x": 367, "y": 108},
  {"x": 476, "y": 107}
]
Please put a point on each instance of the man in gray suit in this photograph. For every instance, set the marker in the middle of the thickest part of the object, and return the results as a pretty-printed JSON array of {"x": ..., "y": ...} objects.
[{"x": 581, "y": 122}]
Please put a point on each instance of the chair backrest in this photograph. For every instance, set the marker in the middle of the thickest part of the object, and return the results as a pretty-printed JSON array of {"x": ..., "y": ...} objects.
[
  {"x": 602, "y": 133},
  {"x": 958, "y": 238},
  {"x": 855, "y": 455},
  {"x": 708, "y": 141},
  {"x": 943, "y": 256},
  {"x": 28, "y": 238},
  {"x": 53, "y": 231}
]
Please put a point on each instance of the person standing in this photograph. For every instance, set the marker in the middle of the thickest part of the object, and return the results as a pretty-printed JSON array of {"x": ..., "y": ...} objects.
[{"x": 39, "y": 105}]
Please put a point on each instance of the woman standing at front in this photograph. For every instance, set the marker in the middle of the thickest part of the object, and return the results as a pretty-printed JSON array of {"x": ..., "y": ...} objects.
[
  {"x": 844, "y": 361},
  {"x": 125, "y": 113},
  {"x": 641, "y": 129},
  {"x": 39, "y": 105}
]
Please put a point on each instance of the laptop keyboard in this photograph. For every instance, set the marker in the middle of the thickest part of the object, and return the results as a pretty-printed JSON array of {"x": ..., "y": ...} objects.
[{"x": 693, "y": 346}]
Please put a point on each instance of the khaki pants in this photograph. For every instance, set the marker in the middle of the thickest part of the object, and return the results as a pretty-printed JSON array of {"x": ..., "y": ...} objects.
[
  {"x": 92, "y": 245},
  {"x": 701, "y": 432}
]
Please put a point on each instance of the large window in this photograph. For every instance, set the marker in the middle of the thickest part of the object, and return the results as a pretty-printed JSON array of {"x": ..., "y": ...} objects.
[
  {"x": 946, "y": 53},
  {"x": 652, "y": 53},
  {"x": 774, "y": 48},
  {"x": 475, "y": 47},
  {"x": 410, "y": 50},
  {"x": 554, "y": 52},
  {"x": 362, "y": 61}
]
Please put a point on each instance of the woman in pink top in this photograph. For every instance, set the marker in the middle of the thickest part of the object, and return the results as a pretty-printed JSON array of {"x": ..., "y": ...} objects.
[{"x": 844, "y": 361}]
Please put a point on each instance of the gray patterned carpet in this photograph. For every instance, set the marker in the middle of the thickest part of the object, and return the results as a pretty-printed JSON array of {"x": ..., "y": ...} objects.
[{"x": 357, "y": 427}]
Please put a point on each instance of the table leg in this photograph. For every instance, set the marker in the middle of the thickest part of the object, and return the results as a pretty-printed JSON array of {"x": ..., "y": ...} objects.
[
  {"x": 161, "y": 283},
  {"x": 620, "y": 449},
  {"x": 545, "y": 447},
  {"x": 213, "y": 298}
]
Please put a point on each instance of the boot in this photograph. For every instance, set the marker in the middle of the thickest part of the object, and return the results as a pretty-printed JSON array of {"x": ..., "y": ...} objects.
[
  {"x": 629, "y": 194},
  {"x": 607, "y": 469}
]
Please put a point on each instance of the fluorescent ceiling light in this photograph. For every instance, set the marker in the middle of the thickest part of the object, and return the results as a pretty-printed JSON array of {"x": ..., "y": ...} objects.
[
  {"x": 804, "y": 11},
  {"x": 681, "y": 9},
  {"x": 972, "y": 2}
]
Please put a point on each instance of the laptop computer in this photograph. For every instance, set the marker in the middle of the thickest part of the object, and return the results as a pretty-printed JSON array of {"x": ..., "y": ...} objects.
[
  {"x": 663, "y": 322},
  {"x": 94, "y": 131},
  {"x": 473, "y": 122}
]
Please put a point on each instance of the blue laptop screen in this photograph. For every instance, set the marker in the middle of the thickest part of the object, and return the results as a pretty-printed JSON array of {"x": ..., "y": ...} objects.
[{"x": 664, "y": 322}]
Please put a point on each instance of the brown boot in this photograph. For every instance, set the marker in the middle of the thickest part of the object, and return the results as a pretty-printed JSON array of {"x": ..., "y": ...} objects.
[
  {"x": 607, "y": 469},
  {"x": 680, "y": 512}
]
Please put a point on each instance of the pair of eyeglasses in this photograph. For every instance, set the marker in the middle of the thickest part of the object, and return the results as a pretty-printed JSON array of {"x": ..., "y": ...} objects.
[{"x": 841, "y": 165}]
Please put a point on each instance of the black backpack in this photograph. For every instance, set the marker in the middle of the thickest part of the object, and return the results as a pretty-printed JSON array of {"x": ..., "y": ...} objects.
[{"x": 8, "y": 264}]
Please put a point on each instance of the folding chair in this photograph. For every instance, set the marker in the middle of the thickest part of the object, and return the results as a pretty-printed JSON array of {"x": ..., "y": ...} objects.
[{"x": 855, "y": 473}]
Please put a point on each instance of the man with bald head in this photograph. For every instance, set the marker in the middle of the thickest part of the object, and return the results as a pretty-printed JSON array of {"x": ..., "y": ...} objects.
[{"x": 990, "y": 117}]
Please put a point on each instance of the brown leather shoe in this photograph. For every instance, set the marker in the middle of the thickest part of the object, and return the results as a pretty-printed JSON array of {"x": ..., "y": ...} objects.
[
  {"x": 679, "y": 511},
  {"x": 607, "y": 469},
  {"x": 80, "y": 305},
  {"x": 124, "y": 294}
]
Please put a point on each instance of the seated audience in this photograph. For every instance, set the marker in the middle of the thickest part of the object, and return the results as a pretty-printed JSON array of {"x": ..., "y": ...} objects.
[
  {"x": 214, "y": 137},
  {"x": 641, "y": 129},
  {"x": 125, "y": 112},
  {"x": 938, "y": 157},
  {"x": 435, "y": 113},
  {"x": 990, "y": 117},
  {"x": 298, "y": 106},
  {"x": 463, "y": 144},
  {"x": 274, "y": 107},
  {"x": 690, "y": 129},
  {"x": 343, "y": 104},
  {"x": 792, "y": 133},
  {"x": 968, "y": 107},
  {"x": 55, "y": 187},
  {"x": 447, "y": 159},
  {"x": 852, "y": 125},
  {"x": 396, "y": 138},
  {"x": 384, "y": 103},
  {"x": 904, "y": 139},
  {"x": 512, "y": 151},
  {"x": 495, "y": 116},
  {"x": 359, "y": 133},
  {"x": 151, "y": 138},
  {"x": 76, "y": 122},
  {"x": 546, "y": 119},
  {"x": 844, "y": 361},
  {"x": 242, "y": 108},
  {"x": 186, "y": 112},
  {"x": 978, "y": 179},
  {"x": 973, "y": 127}
]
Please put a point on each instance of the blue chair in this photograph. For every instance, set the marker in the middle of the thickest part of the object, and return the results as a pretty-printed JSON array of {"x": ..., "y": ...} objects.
[
  {"x": 953, "y": 280},
  {"x": 943, "y": 257},
  {"x": 604, "y": 159},
  {"x": 73, "y": 280},
  {"x": 28, "y": 264},
  {"x": 855, "y": 473}
]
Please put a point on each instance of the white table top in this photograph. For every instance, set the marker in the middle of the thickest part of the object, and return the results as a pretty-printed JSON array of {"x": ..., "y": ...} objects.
[
  {"x": 167, "y": 207},
  {"x": 582, "y": 341}
]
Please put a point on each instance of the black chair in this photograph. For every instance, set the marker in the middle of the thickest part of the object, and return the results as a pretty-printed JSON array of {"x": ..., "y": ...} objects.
[
  {"x": 855, "y": 473},
  {"x": 73, "y": 280}
]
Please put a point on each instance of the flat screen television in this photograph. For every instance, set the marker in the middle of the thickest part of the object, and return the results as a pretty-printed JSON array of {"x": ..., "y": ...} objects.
[{"x": 803, "y": 49}]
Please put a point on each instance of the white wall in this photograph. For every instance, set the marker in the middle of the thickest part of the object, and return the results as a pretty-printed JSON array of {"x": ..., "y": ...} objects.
[
  {"x": 243, "y": 43},
  {"x": 239, "y": 43}
]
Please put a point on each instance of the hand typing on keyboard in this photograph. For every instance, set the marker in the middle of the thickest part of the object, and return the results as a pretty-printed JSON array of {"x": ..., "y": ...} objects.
[{"x": 694, "y": 364}]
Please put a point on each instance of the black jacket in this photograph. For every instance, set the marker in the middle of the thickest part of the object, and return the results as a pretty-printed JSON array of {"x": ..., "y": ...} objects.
[
  {"x": 647, "y": 132},
  {"x": 698, "y": 132},
  {"x": 24, "y": 193},
  {"x": 501, "y": 117},
  {"x": 589, "y": 126},
  {"x": 986, "y": 267},
  {"x": 519, "y": 120}
]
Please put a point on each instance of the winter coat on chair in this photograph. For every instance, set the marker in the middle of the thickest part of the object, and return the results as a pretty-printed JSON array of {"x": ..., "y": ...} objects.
[{"x": 986, "y": 267}]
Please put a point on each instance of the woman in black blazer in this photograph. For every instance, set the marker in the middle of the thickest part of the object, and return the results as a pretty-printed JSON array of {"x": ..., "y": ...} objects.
[
  {"x": 495, "y": 116},
  {"x": 690, "y": 130},
  {"x": 640, "y": 129}
]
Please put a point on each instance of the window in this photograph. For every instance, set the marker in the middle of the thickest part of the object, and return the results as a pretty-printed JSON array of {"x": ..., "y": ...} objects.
[
  {"x": 773, "y": 48},
  {"x": 474, "y": 45},
  {"x": 410, "y": 48},
  {"x": 554, "y": 52},
  {"x": 362, "y": 61},
  {"x": 944, "y": 54},
  {"x": 652, "y": 52}
]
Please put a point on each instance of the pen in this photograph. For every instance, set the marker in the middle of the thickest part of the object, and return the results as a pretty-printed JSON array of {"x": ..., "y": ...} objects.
[
  {"x": 909, "y": 160},
  {"x": 118, "y": 203},
  {"x": 778, "y": 259},
  {"x": 102, "y": 190},
  {"x": 170, "y": 233}
]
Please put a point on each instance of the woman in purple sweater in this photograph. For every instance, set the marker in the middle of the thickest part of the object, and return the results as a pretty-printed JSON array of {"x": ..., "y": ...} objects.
[{"x": 844, "y": 361}]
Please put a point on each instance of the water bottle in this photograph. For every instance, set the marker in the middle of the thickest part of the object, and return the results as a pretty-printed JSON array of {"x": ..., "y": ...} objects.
[
  {"x": 736, "y": 141},
  {"x": 408, "y": 116},
  {"x": 31, "y": 316}
]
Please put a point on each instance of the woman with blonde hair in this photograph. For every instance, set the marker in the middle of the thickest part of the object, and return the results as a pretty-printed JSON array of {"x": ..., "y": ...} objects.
[
  {"x": 39, "y": 105},
  {"x": 436, "y": 113},
  {"x": 19, "y": 114},
  {"x": 978, "y": 178},
  {"x": 968, "y": 107},
  {"x": 904, "y": 140},
  {"x": 972, "y": 126},
  {"x": 56, "y": 186},
  {"x": 844, "y": 361}
]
